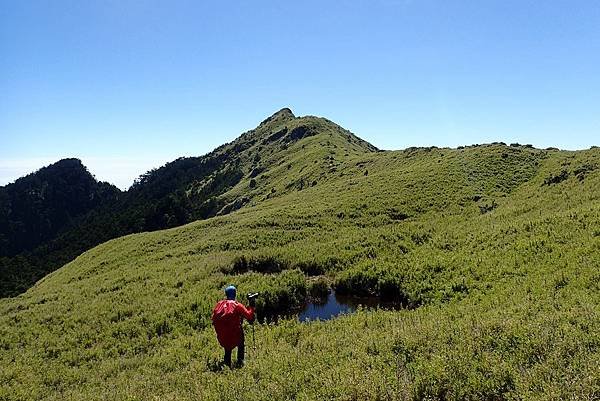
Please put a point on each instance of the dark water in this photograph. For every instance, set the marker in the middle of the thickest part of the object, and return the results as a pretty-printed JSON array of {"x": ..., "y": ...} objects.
[{"x": 335, "y": 305}]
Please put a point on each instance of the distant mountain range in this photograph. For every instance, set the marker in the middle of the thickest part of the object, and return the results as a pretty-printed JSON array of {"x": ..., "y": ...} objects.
[{"x": 49, "y": 217}]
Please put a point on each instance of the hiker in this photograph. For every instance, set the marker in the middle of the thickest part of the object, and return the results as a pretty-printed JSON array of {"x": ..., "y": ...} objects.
[{"x": 227, "y": 317}]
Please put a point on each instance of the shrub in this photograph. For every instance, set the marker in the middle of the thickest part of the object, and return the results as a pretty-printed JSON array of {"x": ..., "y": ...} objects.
[
  {"x": 260, "y": 264},
  {"x": 319, "y": 288},
  {"x": 372, "y": 279},
  {"x": 283, "y": 293},
  {"x": 558, "y": 178},
  {"x": 311, "y": 268}
]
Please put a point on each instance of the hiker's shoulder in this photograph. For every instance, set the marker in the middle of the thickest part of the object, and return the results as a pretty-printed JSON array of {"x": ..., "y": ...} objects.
[{"x": 239, "y": 305}]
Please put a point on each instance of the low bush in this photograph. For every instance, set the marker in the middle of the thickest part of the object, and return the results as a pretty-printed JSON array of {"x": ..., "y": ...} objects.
[
  {"x": 319, "y": 288},
  {"x": 259, "y": 264},
  {"x": 280, "y": 294},
  {"x": 372, "y": 278}
]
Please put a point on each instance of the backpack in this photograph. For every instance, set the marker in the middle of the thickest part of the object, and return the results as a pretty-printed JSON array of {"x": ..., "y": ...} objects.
[{"x": 228, "y": 323}]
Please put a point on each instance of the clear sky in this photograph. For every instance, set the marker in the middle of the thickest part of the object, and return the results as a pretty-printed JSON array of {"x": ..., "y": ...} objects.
[{"x": 127, "y": 85}]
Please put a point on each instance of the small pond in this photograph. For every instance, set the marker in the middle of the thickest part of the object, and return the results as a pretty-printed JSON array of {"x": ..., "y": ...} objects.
[{"x": 335, "y": 305}]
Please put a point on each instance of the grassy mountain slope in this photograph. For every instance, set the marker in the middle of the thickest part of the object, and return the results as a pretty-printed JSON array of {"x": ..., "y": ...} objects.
[
  {"x": 495, "y": 248},
  {"x": 246, "y": 171}
]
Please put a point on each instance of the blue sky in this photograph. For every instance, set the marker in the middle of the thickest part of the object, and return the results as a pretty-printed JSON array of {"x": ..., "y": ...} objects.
[{"x": 127, "y": 85}]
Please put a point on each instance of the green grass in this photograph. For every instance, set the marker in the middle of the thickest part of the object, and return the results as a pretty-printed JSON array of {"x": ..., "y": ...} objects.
[{"x": 501, "y": 267}]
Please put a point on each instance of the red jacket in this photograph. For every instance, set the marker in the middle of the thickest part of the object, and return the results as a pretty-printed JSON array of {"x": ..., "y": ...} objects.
[{"x": 227, "y": 319}]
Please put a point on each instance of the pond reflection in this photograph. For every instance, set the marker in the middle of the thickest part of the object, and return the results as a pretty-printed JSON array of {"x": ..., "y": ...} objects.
[{"x": 335, "y": 305}]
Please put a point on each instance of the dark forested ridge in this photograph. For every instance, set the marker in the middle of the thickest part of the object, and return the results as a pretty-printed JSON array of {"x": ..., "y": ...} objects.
[
  {"x": 53, "y": 215},
  {"x": 35, "y": 208}
]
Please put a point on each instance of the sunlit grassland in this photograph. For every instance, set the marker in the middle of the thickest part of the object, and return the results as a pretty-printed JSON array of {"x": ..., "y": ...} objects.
[{"x": 500, "y": 269}]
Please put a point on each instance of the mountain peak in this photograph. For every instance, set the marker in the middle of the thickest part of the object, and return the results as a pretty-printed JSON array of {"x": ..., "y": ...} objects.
[
  {"x": 286, "y": 112},
  {"x": 283, "y": 114},
  {"x": 69, "y": 162}
]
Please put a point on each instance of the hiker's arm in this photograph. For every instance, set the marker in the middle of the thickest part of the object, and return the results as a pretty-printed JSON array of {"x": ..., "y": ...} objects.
[{"x": 248, "y": 313}]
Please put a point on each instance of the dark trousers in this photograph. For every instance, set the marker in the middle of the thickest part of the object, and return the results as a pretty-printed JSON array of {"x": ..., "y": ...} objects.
[{"x": 240, "y": 352}]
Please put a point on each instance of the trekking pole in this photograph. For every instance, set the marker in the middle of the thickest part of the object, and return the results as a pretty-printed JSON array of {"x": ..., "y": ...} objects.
[
  {"x": 254, "y": 356},
  {"x": 252, "y": 300},
  {"x": 253, "y": 339}
]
